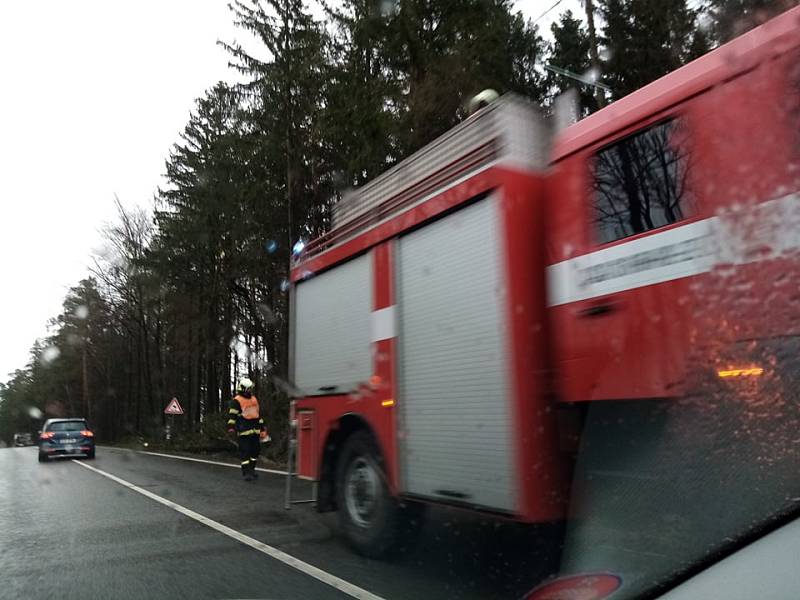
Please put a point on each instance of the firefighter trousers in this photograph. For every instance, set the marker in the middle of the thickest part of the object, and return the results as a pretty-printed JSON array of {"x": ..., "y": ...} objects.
[{"x": 249, "y": 448}]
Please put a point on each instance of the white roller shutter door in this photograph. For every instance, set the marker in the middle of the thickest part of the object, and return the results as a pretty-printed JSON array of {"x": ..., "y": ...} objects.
[
  {"x": 332, "y": 329},
  {"x": 454, "y": 380}
]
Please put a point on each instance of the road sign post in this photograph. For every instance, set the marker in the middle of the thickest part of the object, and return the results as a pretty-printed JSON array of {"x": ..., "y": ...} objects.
[{"x": 173, "y": 408}]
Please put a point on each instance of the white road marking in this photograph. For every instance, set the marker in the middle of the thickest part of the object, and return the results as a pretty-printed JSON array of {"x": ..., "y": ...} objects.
[
  {"x": 209, "y": 462},
  {"x": 287, "y": 559}
]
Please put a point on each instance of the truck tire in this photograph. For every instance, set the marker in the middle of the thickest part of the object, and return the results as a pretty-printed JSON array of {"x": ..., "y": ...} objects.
[{"x": 368, "y": 515}]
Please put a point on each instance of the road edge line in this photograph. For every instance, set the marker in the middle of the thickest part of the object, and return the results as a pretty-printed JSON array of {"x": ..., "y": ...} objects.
[
  {"x": 199, "y": 460},
  {"x": 279, "y": 555},
  {"x": 208, "y": 462}
]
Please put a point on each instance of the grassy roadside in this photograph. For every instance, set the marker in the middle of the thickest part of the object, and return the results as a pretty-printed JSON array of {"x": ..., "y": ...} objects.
[
  {"x": 227, "y": 456},
  {"x": 212, "y": 443}
]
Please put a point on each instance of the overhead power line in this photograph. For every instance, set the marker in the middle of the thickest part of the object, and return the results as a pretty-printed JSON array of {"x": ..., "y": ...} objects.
[
  {"x": 582, "y": 78},
  {"x": 541, "y": 16}
]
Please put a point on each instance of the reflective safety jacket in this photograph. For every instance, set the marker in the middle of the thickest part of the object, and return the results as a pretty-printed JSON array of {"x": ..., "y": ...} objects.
[{"x": 244, "y": 416}]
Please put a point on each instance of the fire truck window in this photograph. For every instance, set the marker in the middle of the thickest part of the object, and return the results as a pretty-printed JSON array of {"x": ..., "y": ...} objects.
[{"x": 640, "y": 183}]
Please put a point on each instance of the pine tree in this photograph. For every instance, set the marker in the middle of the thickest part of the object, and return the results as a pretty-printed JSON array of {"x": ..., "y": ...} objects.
[
  {"x": 200, "y": 225},
  {"x": 570, "y": 50},
  {"x": 445, "y": 51},
  {"x": 363, "y": 94},
  {"x": 646, "y": 39},
  {"x": 287, "y": 92},
  {"x": 734, "y": 17}
]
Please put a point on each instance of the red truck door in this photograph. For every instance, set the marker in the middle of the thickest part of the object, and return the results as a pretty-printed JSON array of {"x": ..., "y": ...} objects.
[{"x": 627, "y": 243}]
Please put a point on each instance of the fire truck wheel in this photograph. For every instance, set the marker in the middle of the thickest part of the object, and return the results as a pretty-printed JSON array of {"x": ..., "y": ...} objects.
[{"x": 368, "y": 514}]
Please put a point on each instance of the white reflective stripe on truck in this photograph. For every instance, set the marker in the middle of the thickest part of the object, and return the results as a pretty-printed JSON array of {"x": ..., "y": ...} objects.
[
  {"x": 759, "y": 232},
  {"x": 383, "y": 324}
]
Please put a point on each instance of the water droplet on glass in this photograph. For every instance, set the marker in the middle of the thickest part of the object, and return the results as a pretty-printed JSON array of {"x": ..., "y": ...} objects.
[
  {"x": 81, "y": 311},
  {"x": 726, "y": 271},
  {"x": 605, "y": 54},
  {"x": 266, "y": 313},
  {"x": 298, "y": 248},
  {"x": 591, "y": 75},
  {"x": 239, "y": 347},
  {"x": 388, "y": 8},
  {"x": 49, "y": 354},
  {"x": 271, "y": 246},
  {"x": 285, "y": 285},
  {"x": 35, "y": 413}
]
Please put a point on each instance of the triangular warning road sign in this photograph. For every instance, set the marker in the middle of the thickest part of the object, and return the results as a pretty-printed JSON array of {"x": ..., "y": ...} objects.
[{"x": 173, "y": 408}]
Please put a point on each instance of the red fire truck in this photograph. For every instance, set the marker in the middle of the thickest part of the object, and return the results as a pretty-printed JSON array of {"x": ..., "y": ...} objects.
[{"x": 466, "y": 309}]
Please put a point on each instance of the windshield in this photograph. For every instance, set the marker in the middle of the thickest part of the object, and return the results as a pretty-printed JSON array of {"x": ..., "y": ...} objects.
[
  {"x": 397, "y": 298},
  {"x": 67, "y": 426}
]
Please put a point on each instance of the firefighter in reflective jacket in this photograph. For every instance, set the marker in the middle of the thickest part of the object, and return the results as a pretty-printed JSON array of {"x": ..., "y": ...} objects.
[{"x": 245, "y": 421}]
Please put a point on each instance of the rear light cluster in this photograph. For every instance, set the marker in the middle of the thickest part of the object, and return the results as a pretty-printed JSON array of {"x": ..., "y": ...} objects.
[{"x": 49, "y": 434}]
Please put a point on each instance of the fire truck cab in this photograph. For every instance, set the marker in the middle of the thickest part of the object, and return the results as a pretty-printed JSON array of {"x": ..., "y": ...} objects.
[{"x": 449, "y": 331}]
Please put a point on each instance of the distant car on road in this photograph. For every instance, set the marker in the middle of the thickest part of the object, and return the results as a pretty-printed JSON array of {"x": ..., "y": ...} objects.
[
  {"x": 23, "y": 439},
  {"x": 65, "y": 437}
]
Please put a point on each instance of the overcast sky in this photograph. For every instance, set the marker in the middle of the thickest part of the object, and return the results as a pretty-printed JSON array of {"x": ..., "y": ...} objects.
[{"x": 93, "y": 94}]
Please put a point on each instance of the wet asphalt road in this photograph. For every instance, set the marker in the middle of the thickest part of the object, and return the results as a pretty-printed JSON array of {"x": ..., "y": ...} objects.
[{"x": 68, "y": 532}]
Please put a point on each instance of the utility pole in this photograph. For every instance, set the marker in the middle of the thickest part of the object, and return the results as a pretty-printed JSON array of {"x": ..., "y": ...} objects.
[
  {"x": 85, "y": 373},
  {"x": 593, "y": 54}
]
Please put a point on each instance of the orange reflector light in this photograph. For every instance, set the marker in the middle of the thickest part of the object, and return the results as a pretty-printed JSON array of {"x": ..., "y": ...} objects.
[
  {"x": 387, "y": 403},
  {"x": 87, "y": 433},
  {"x": 750, "y": 372}
]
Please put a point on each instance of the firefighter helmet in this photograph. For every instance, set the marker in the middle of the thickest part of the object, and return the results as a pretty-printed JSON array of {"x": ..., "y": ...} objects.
[{"x": 245, "y": 385}]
